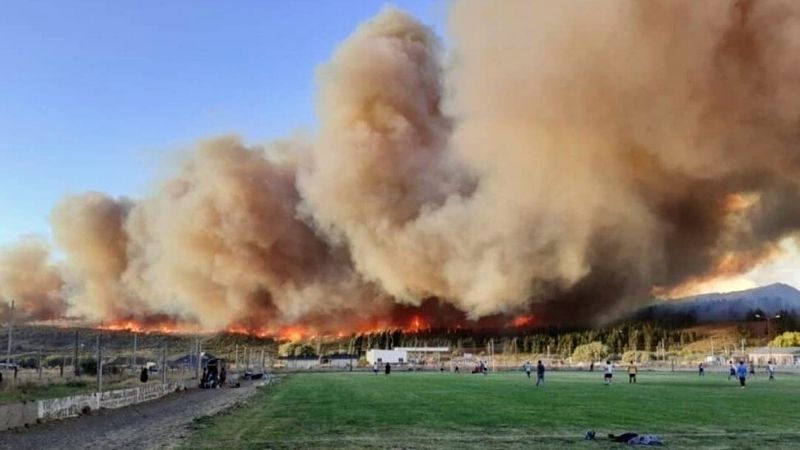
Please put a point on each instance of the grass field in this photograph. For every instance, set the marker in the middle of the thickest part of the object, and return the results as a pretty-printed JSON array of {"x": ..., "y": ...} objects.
[{"x": 505, "y": 410}]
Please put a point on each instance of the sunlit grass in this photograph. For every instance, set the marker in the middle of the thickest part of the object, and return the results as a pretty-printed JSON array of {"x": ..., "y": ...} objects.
[{"x": 435, "y": 410}]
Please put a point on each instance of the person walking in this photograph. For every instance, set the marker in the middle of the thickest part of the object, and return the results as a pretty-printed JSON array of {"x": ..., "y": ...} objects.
[
  {"x": 388, "y": 369},
  {"x": 771, "y": 370},
  {"x": 701, "y": 370},
  {"x": 741, "y": 371},
  {"x": 375, "y": 367},
  {"x": 731, "y": 370},
  {"x": 539, "y": 373},
  {"x": 527, "y": 368}
]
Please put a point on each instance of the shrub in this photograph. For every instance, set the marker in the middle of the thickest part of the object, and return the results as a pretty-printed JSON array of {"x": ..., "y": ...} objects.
[
  {"x": 787, "y": 339},
  {"x": 593, "y": 351},
  {"x": 637, "y": 357}
]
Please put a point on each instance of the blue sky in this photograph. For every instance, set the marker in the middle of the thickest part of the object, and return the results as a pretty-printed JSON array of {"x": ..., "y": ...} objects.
[{"x": 93, "y": 93}]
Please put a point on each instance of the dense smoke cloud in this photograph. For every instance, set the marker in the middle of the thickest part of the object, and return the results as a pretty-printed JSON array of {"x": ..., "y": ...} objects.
[
  {"x": 31, "y": 280},
  {"x": 89, "y": 228},
  {"x": 563, "y": 158},
  {"x": 222, "y": 243}
]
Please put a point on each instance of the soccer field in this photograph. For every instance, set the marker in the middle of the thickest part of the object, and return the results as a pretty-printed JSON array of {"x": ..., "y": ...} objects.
[{"x": 506, "y": 410}]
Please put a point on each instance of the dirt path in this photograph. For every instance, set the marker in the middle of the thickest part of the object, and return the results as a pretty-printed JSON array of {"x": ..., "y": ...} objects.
[{"x": 159, "y": 424}]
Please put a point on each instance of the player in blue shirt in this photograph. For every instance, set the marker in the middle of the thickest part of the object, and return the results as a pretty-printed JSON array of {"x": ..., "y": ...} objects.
[{"x": 741, "y": 371}]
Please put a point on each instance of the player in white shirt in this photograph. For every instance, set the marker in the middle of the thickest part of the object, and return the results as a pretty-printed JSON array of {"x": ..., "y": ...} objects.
[{"x": 608, "y": 373}]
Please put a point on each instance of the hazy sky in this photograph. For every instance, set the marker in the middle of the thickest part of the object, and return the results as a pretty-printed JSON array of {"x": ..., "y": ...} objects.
[{"x": 94, "y": 94}]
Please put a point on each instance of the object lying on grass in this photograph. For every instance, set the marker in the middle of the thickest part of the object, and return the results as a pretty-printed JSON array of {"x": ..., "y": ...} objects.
[{"x": 637, "y": 439}]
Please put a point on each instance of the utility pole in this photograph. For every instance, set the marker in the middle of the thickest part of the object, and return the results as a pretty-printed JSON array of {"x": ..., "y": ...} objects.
[
  {"x": 262, "y": 359},
  {"x": 10, "y": 332},
  {"x": 199, "y": 358},
  {"x": 768, "y": 318},
  {"x": 236, "y": 357},
  {"x": 75, "y": 358},
  {"x": 99, "y": 364},
  {"x": 491, "y": 350},
  {"x": 163, "y": 363},
  {"x": 133, "y": 357},
  {"x": 712, "y": 350}
]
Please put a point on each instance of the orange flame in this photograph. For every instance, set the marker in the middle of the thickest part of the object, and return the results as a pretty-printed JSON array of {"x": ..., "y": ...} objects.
[
  {"x": 136, "y": 327},
  {"x": 523, "y": 321},
  {"x": 417, "y": 324}
]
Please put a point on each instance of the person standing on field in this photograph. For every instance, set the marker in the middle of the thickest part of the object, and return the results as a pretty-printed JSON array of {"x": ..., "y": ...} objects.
[
  {"x": 731, "y": 371},
  {"x": 632, "y": 371},
  {"x": 375, "y": 367},
  {"x": 701, "y": 370},
  {"x": 771, "y": 370},
  {"x": 527, "y": 368},
  {"x": 741, "y": 371},
  {"x": 539, "y": 373},
  {"x": 608, "y": 373}
]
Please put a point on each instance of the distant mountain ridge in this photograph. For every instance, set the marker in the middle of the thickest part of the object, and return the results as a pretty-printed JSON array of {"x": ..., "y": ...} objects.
[{"x": 718, "y": 307}]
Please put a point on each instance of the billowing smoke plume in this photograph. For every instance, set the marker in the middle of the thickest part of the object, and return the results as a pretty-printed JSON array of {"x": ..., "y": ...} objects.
[
  {"x": 606, "y": 152},
  {"x": 222, "y": 243},
  {"x": 563, "y": 158},
  {"x": 31, "y": 280},
  {"x": 89, "y": 228}
]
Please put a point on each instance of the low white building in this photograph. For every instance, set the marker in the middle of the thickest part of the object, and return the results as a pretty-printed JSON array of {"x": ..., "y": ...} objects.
[
  {"x": 782, "y": 356},
  {"x": 424, "y": 349},
  {"x": 395, "y": 356}
]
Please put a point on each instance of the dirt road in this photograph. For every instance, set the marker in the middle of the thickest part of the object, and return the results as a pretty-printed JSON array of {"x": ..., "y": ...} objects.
[{"x": 159, "y": 424}]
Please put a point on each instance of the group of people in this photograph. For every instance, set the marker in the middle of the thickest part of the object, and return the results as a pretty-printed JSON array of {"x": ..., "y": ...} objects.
[
  {"x": 539, "y": 371},
  {"x": 741, "y": 371},
  {"x": 387, "y": 369}
]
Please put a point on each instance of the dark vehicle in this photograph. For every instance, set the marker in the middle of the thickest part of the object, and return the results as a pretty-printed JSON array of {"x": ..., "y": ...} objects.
[
  {"x": 214, "y": 374},
  {"x": 253, "y": 375}
]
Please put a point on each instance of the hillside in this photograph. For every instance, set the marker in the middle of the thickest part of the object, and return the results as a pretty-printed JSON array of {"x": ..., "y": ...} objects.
[{"x": 729, "y": 306}]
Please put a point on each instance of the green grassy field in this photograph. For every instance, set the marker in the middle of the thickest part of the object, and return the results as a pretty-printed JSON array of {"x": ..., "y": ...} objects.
[{"x": 505, "y": 410}]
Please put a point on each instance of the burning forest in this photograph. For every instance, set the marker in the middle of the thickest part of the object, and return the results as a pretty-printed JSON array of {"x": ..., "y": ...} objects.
[{"x": 555, "y": 163}]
